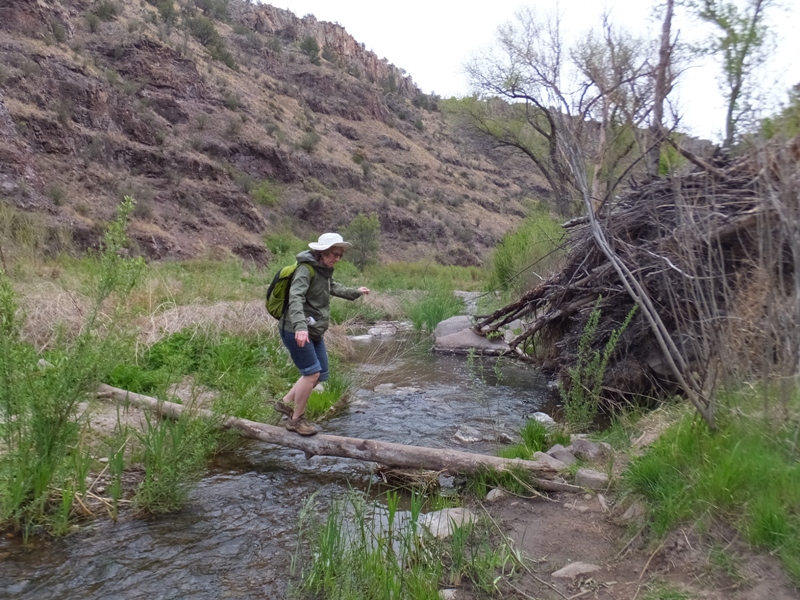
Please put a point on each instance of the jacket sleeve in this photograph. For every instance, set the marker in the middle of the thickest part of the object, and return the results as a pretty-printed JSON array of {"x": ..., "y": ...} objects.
[
  {"x": 340, "y": 291},
  {"x": 295, "y": 316}
]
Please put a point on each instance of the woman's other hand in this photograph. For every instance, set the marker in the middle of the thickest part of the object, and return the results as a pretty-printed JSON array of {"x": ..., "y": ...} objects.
[
  {"x": 301, "y": 337},
  {"x": 364, "y": 291}
]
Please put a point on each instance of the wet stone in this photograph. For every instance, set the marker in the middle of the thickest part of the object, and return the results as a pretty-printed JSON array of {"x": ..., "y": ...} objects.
[
  {"x": 544, "y": 419},
  {"x": 440, "y": 524},
  {"x": 468, "y": 435},
  {"x": 495, "y": 495}
]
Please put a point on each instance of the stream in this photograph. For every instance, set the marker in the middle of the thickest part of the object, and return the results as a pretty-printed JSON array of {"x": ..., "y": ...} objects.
[{"x": 236, "y": 536}]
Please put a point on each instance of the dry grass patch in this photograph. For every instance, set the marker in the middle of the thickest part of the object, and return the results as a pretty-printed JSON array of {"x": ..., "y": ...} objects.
[{"x": 240, "y": 318}]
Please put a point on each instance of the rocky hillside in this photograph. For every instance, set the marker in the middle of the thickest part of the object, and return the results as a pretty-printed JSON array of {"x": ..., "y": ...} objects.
[{"x": 230, "y": 122}]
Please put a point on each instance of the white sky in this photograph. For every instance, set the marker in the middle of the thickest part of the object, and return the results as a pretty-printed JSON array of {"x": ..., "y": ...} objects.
[{"x": 433, "y": 39}]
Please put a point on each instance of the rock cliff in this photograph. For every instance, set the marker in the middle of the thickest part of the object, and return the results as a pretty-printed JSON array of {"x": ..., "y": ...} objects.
[{"x": 230, "y": 123}]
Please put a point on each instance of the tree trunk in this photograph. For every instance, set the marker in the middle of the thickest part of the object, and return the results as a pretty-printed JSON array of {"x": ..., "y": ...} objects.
[
  {"x": 387, "y": 453},
  {"x": 662, "y": 88}
]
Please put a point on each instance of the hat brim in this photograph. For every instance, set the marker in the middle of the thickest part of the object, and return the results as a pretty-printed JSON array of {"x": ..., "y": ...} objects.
[{"x": 318, "y": 246}]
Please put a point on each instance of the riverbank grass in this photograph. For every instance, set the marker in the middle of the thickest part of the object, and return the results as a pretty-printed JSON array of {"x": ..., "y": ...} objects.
[
  {"x": 44, "y": 462},
  {"x": 364, "y": 550},
  {"x": 746, "y": 473}
]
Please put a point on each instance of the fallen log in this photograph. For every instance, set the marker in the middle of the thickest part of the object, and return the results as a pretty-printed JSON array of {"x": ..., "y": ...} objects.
[{"x": 387, "y": 453}]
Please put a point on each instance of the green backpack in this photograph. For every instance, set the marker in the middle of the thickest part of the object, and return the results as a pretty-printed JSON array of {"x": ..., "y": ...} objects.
[{"x": 278, "y": 290}]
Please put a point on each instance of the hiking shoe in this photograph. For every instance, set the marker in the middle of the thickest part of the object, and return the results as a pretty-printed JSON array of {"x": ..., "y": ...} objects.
[
  {"x": 300, "y": 426},
  {"x": 283, "y": 408}
]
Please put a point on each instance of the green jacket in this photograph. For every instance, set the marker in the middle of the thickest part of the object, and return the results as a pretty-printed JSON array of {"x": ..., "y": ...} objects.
[{"x": 311, "y": 297}]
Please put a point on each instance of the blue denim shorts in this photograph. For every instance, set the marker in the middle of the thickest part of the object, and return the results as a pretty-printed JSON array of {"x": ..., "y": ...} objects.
[{"x": 311, "y": 358}]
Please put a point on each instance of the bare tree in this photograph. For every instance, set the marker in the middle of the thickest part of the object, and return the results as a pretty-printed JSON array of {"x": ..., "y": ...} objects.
[
  {"x": 600, "y": 89},
  {"x": 742, "y": 44},
  {"x": 616, "y": 65}
]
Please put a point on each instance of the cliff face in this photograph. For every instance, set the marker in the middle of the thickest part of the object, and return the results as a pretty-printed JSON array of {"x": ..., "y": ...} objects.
[
  {"x": 267, "y": 19},
  {"x": 227, "y": 127}
]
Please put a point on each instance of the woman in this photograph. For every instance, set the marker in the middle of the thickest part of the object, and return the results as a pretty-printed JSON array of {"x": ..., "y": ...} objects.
[{"x": 305, "y": 321}]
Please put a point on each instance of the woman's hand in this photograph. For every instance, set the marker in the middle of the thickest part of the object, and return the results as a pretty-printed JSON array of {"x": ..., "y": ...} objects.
[
  {"x": 301, "y": 337},
  {"x": 364, "y": 291}
]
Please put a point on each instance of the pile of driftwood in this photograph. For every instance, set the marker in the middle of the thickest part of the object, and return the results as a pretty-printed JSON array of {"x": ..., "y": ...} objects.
[{"x": 712, "y": 252}]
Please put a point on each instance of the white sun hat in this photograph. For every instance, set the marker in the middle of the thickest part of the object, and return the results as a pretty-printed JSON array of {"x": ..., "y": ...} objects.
[{"x": 328, "y": 240}]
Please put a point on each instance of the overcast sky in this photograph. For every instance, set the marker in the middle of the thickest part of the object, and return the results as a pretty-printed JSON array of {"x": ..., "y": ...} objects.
[{"x": 432, "y": 39}]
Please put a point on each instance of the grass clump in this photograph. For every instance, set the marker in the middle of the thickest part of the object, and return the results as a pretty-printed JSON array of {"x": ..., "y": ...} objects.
[
  {"x": 536, "y": 437},
  {"x": 747, "y": 473},
  {"x": 175, "y": 455},
  {"x": 435, "y": 305},
  {"x": 366, "y": 551}
]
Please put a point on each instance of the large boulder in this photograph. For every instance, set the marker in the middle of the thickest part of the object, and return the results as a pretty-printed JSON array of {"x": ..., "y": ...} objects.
[
  {"x": 452, "y": 325},
  {"x": 455, "y": 336}
]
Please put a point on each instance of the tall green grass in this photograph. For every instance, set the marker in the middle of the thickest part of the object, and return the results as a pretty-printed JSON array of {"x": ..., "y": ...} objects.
[
  {"x": 434, "y": 306},
  {"x": 747, "y": 473},
  {"x": 174, "y": 457},
  {"x": 525, "y": 255},
  {"x": 365, "y": 551},
  {"x": 44, "y": 457},
  {"x": 422, "y": 275}
]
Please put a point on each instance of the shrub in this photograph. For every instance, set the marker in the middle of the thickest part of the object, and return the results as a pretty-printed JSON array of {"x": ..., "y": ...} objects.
[
  {"x": 166, "y": 9},
  {"x": 106, "y": 10},
  {"x": 39, "y": 429},
  {"x": 274, "y": 44},
  {"x": 232, "y": 100},
  {"x": 56, "y": 193},
  {"x": 203, "y": 30},
  {"x": 328, "y": 54},
  {"x": 59, "y": 33},
  {"x": 216, "y": 9},
  {"x": 582, "y": 399},
  {"x": 266, "y": 193},
  {"x": 310, "y": 141},
  {"x": 310, "y": 48},
  {"x": 93, "y": 22},
  {"x": 364, "y": 233}
]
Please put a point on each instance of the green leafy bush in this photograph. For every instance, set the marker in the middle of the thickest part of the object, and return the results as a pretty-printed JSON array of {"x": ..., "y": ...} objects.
[
  {"x": 39, "y": 423},
  {"x": 310, "y": 48},
  {"x": 266, "y": 193},
  {"x": 310, "y": 141},
  {"x": 581, "y": 400},
  {"x": 364, "y": 233},
  {"x": 106, "y": 10}
]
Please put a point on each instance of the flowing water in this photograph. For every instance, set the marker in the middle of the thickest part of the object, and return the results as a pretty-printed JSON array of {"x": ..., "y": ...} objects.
[{"x": 236, "y": 536}]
